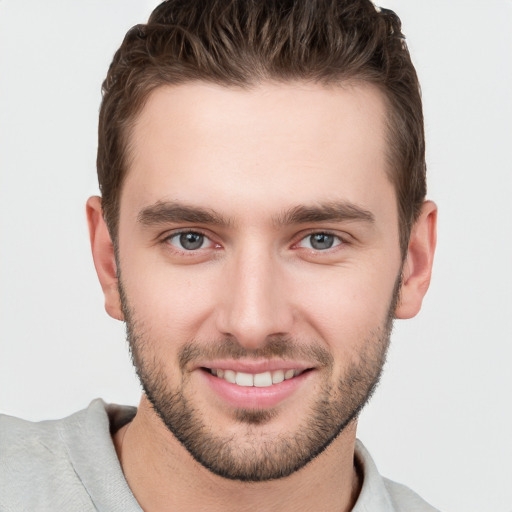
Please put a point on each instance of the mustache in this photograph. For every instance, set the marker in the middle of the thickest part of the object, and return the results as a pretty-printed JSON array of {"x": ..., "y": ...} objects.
[{"x": 276, "y": 347}]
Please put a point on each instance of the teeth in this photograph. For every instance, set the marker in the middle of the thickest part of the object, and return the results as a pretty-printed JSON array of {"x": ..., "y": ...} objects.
[
  {"x": 230, "y": 376},
  {"x": 244, "y": 379},
  {"x": 263, "y": 380},
  {"x": 288, "y": 374},
  {"x": 277, "y": 376},
  {"x": 259, "y": 380}
]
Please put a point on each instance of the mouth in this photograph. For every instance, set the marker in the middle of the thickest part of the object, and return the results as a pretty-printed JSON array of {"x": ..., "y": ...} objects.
[
  {"x": 263, "y": 384},
  {"x": 259, "y": 380}
]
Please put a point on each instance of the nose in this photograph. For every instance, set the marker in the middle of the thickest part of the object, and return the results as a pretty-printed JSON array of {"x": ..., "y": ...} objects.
[{"x": 254, "y": 304}]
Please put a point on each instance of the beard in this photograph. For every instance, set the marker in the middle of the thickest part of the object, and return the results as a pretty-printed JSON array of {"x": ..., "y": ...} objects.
[{"x": 257, "y": 456}]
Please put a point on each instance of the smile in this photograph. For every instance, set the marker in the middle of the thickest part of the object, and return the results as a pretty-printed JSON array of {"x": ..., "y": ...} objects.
[{"x": 259, "y": 380}]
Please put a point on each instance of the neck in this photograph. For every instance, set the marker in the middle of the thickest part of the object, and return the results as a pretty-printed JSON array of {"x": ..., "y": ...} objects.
[{"x": 163, "y": 476}]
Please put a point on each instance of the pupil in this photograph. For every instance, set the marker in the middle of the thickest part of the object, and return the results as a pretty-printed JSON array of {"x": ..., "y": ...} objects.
[
  {"x": 322, "y": 241},
  {"x": 191, "y": 241}
]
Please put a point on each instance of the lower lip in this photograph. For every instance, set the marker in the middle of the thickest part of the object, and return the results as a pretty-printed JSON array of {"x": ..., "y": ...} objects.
[{"x": 252, "y": 397}]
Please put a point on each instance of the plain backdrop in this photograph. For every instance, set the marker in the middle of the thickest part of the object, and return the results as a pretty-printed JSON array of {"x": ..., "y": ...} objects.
[{"x": 441, "y": 421}]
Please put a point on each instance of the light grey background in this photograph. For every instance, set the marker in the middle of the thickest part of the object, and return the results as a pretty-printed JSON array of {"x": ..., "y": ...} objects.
[{"x": 441, "y": 421}]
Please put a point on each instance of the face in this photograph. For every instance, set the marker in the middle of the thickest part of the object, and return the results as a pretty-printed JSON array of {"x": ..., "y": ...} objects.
[{"x": 259, "y": 264}]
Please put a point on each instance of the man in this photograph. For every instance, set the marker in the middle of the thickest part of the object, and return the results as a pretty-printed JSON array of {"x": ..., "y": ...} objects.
[{"x": 262, "y": 222}]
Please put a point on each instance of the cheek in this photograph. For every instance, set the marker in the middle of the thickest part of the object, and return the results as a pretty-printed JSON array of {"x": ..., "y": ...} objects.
[
  {"x": 172, "y": 302},
  {"x": 347, "y": 308}
]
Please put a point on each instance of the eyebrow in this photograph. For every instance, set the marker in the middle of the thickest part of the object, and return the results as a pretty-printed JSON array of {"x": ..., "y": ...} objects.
[
  {"x": 163, "y": 212},
  {"x": 325, "y": 212}
]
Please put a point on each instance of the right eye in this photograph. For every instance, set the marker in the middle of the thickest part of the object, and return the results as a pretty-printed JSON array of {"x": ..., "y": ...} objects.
[{"x": 189, "y": 241}]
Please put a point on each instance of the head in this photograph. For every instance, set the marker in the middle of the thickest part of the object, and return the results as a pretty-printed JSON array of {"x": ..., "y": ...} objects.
[
  {"x": 243, "y": 43},
  {"x": 262, "y": 221}
]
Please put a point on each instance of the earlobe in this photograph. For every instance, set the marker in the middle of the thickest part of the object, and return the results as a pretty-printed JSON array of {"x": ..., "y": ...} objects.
[
  {"x": 417, "y": 268},
  {"x": 104, "y": 258}
]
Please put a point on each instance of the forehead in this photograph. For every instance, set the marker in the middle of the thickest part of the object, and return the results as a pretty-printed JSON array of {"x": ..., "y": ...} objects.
[{"x": 292, "y": 143}]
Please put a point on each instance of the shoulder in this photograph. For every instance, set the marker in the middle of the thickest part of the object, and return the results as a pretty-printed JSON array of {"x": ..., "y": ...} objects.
[
  {"x": 54, "y": 465},
  {"x": 30, "y": 445},
  {"x": 43, "y": 442},
  {"x": 35, "y": 466},
  {"x": 406, "y": 500},
  {"x": 383, "y": 495}
]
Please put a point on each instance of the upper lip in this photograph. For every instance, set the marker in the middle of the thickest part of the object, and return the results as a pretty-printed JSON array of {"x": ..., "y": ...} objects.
[{"x": 255, "y": 367}]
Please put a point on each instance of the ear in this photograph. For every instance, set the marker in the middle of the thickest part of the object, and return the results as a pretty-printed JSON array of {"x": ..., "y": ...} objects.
[
  {"x": 104, "y": 259},
  {"x": 417, "y": 268}
]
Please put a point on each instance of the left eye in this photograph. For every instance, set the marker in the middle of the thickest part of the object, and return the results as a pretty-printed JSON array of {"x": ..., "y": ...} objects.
[
  {"x": 189, "y": 241},
  {"x": 320, "y": 241}
]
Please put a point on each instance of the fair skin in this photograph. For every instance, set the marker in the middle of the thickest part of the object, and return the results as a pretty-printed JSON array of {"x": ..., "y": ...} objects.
[{"x": 251, "y": 159}]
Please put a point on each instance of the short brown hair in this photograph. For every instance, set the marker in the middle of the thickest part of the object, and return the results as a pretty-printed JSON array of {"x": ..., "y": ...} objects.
[{"x": 243, "y": 42}]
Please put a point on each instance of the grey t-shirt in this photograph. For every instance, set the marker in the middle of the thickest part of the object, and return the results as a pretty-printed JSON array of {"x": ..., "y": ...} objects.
[{"x": 71, "y": 465}]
